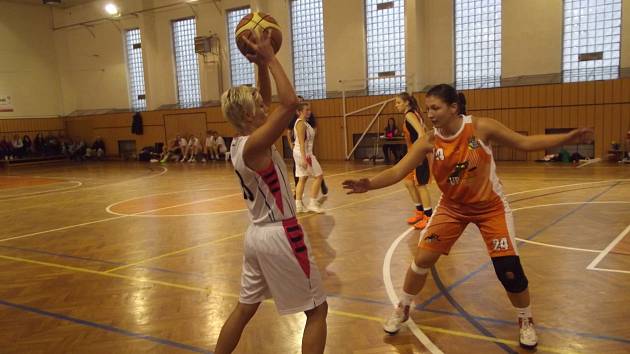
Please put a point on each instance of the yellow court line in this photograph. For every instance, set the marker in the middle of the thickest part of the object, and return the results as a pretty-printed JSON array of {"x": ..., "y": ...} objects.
[
  {"x": 218, "y": 293},
  {"x": 238, "y": 235},
  {"x": 453, "y": 332},
  {"x": 173, "y": 253}
]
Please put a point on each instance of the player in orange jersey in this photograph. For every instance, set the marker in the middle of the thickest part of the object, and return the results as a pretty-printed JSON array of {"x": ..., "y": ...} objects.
[
  {"x": 465, "y": 172},
  {"x": 417, "y": 180}
]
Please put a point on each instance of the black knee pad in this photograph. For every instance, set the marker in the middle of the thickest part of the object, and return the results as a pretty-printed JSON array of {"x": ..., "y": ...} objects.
[{"x": 510, "y": 273}]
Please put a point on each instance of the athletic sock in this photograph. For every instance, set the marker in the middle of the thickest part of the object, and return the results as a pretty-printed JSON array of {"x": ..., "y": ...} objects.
[
  {"x": 525, "y": 312},
  {"x": 406, "y": 299}
]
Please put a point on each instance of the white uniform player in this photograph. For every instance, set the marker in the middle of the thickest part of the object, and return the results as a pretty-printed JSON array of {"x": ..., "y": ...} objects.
[
  {"x": 276, "y": 260},
  {"x": 313, "y": 169}
]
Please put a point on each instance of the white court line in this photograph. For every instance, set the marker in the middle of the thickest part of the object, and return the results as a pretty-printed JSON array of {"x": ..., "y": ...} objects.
[
  {"x": 109, "y": 207},
  {"x": 608, "y": 248},
  {"x": 391, "y": 293},
  {"x": 610, "y": 270},
  {"x": 23, "y": 195},
  {"x": 64, "y": 190},
  {"x": 589, "y": 162},
  {"x": 98, "y": 221},
  {"x": 129, "y": 215},
  {"x": 387, "y": 279},
  {"x": 567, "y": 185}
]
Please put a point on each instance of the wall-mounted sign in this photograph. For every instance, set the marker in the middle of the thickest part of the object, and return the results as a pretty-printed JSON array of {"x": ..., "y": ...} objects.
[{"x": 5, "y": 104}]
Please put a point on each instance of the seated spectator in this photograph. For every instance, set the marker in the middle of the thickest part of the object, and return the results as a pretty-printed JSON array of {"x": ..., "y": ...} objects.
[
  {"x": 192, "y": 149},
  {"x": 28, "y": 144},
  {"x": 217, "y": 146},
  {"x": 79, "y": 150},
  {"x": 38, "y": 145},
  {"x": 18, "y": 146},
  {"x": 97, "y": 150},
  {"x": 183, "y": 145},
  {"x": 6, "y": 149},
  {"x": 172, "y": 150}
]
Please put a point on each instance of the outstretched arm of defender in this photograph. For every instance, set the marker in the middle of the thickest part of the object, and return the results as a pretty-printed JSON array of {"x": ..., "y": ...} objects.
[
  {"x": 495, "y": 131},
  {"x": 392, "y": 175}
]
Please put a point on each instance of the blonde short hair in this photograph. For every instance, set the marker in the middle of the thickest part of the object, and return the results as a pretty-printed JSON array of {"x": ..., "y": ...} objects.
[{"x": 239, "y": 103}]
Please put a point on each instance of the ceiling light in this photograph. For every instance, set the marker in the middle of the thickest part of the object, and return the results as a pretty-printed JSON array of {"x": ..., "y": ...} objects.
[{"x": 112, "y": 10}]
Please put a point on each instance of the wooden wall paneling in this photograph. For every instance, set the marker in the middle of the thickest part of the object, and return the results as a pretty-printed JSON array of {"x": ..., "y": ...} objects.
[
  {"x": 185, "y": 124},
  {"x": 598, "y": 126},
  {"x": 608, "y": 92},
  {"x": 557, "y": 94},
  {"x": 617, "y": 94},
  {"x": 505, "y": 98},
  {"x": 606, "y": 126},
  {"x": 527, "y": 96},
  {"x": 599, "y": 92},
  {"x": 625, "y": 90},
  {"x": 589, "y": 93},
  {"x": 548, "y": 96},
  {"x": 615, "y": 124}
]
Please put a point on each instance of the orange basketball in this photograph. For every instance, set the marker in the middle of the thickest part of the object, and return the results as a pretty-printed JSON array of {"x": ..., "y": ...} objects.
[{"x": 254, "y": 24}]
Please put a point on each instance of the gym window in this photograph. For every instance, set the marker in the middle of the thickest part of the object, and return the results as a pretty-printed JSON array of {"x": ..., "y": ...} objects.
[
  {"x": 592, "y": 36},
  {"x": 307, "y": 30},
  {"x": 135, "y": 70},
  {"x": 242, "y": 71},
  {"x": 477, "y": 43},
  {"x": 186, "y": 65},
  {"x": 385, "y": 33}
]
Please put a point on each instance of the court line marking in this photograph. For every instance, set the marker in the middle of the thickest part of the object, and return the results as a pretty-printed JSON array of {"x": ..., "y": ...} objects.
[
  {"x": 389, "y": 288},
  {"x": 110, "y": 211},
  {"x": 87, "y": 188},
  {"x": 230, "y": 295},
  {"x": 242, "y": 233},
  {"x": 108, "y": 208},
  {"x": 388, "y": 255},
  {"x": 104, "y": 327},
  {"x": 567, "y": 185},
  {"x": 22, "y": 195},
  {"x": 610, "y": 270},
  {"x": 128, "y": 265},
  {"x": 92, "y": 222},
  {"x": 129, "y": 215},
  {"x": 608, "y": 248}
]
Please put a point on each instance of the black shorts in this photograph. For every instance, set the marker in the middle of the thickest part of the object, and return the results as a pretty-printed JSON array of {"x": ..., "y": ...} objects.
[{"x": 422, "y": 173}]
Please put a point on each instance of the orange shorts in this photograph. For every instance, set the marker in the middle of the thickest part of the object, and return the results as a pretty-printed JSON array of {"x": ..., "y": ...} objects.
[{"x": 449, "y": 220}]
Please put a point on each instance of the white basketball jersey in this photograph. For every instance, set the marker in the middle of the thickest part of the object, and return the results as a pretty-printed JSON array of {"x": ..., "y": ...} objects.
[
  {"x": 267, "y": 192},
  {"x": 308, "y": 140}
]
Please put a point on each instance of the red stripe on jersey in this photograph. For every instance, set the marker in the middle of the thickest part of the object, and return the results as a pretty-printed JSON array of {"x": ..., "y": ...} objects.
[
  {"x": 295, "y": 235},
  {"x": 270, "y": 177}
]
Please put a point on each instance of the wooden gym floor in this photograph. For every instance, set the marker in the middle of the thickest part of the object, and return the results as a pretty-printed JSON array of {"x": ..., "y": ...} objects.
[{"x": 135, "y": 258}]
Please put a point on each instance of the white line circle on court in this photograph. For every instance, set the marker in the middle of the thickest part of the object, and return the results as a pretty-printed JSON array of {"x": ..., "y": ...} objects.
[
  {"x": 76, "y": 184},
  {"x": 387, "y": 279}
]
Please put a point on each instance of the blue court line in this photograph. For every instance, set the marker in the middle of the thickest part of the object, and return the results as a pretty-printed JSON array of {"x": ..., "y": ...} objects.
[
  {"x": 489, "y": 319},
  {"x": 538, "y": 327},
  {"x": 465, "y": 314},
  {"x": 61, "y": 255},
  {"x": 483, "y": 266},
  {"x": 105, "y": 327}
]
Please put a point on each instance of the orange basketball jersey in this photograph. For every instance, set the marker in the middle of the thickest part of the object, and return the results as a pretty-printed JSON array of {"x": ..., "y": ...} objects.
[{"x": 464, "y": 168}]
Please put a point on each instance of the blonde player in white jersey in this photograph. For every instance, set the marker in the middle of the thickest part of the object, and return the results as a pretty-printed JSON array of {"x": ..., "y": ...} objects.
[
  {"x": 306, "y": 164},
  {"x": 277, "y": 261}
]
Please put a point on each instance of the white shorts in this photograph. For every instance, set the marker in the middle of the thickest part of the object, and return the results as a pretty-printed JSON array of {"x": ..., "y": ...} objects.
[
  {"x": 312, "y": 170},
  {"x": 278, "y": 263}
]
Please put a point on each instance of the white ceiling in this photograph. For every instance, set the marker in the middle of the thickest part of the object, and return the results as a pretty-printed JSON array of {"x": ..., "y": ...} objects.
[{"x": 64, "y": 3}]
